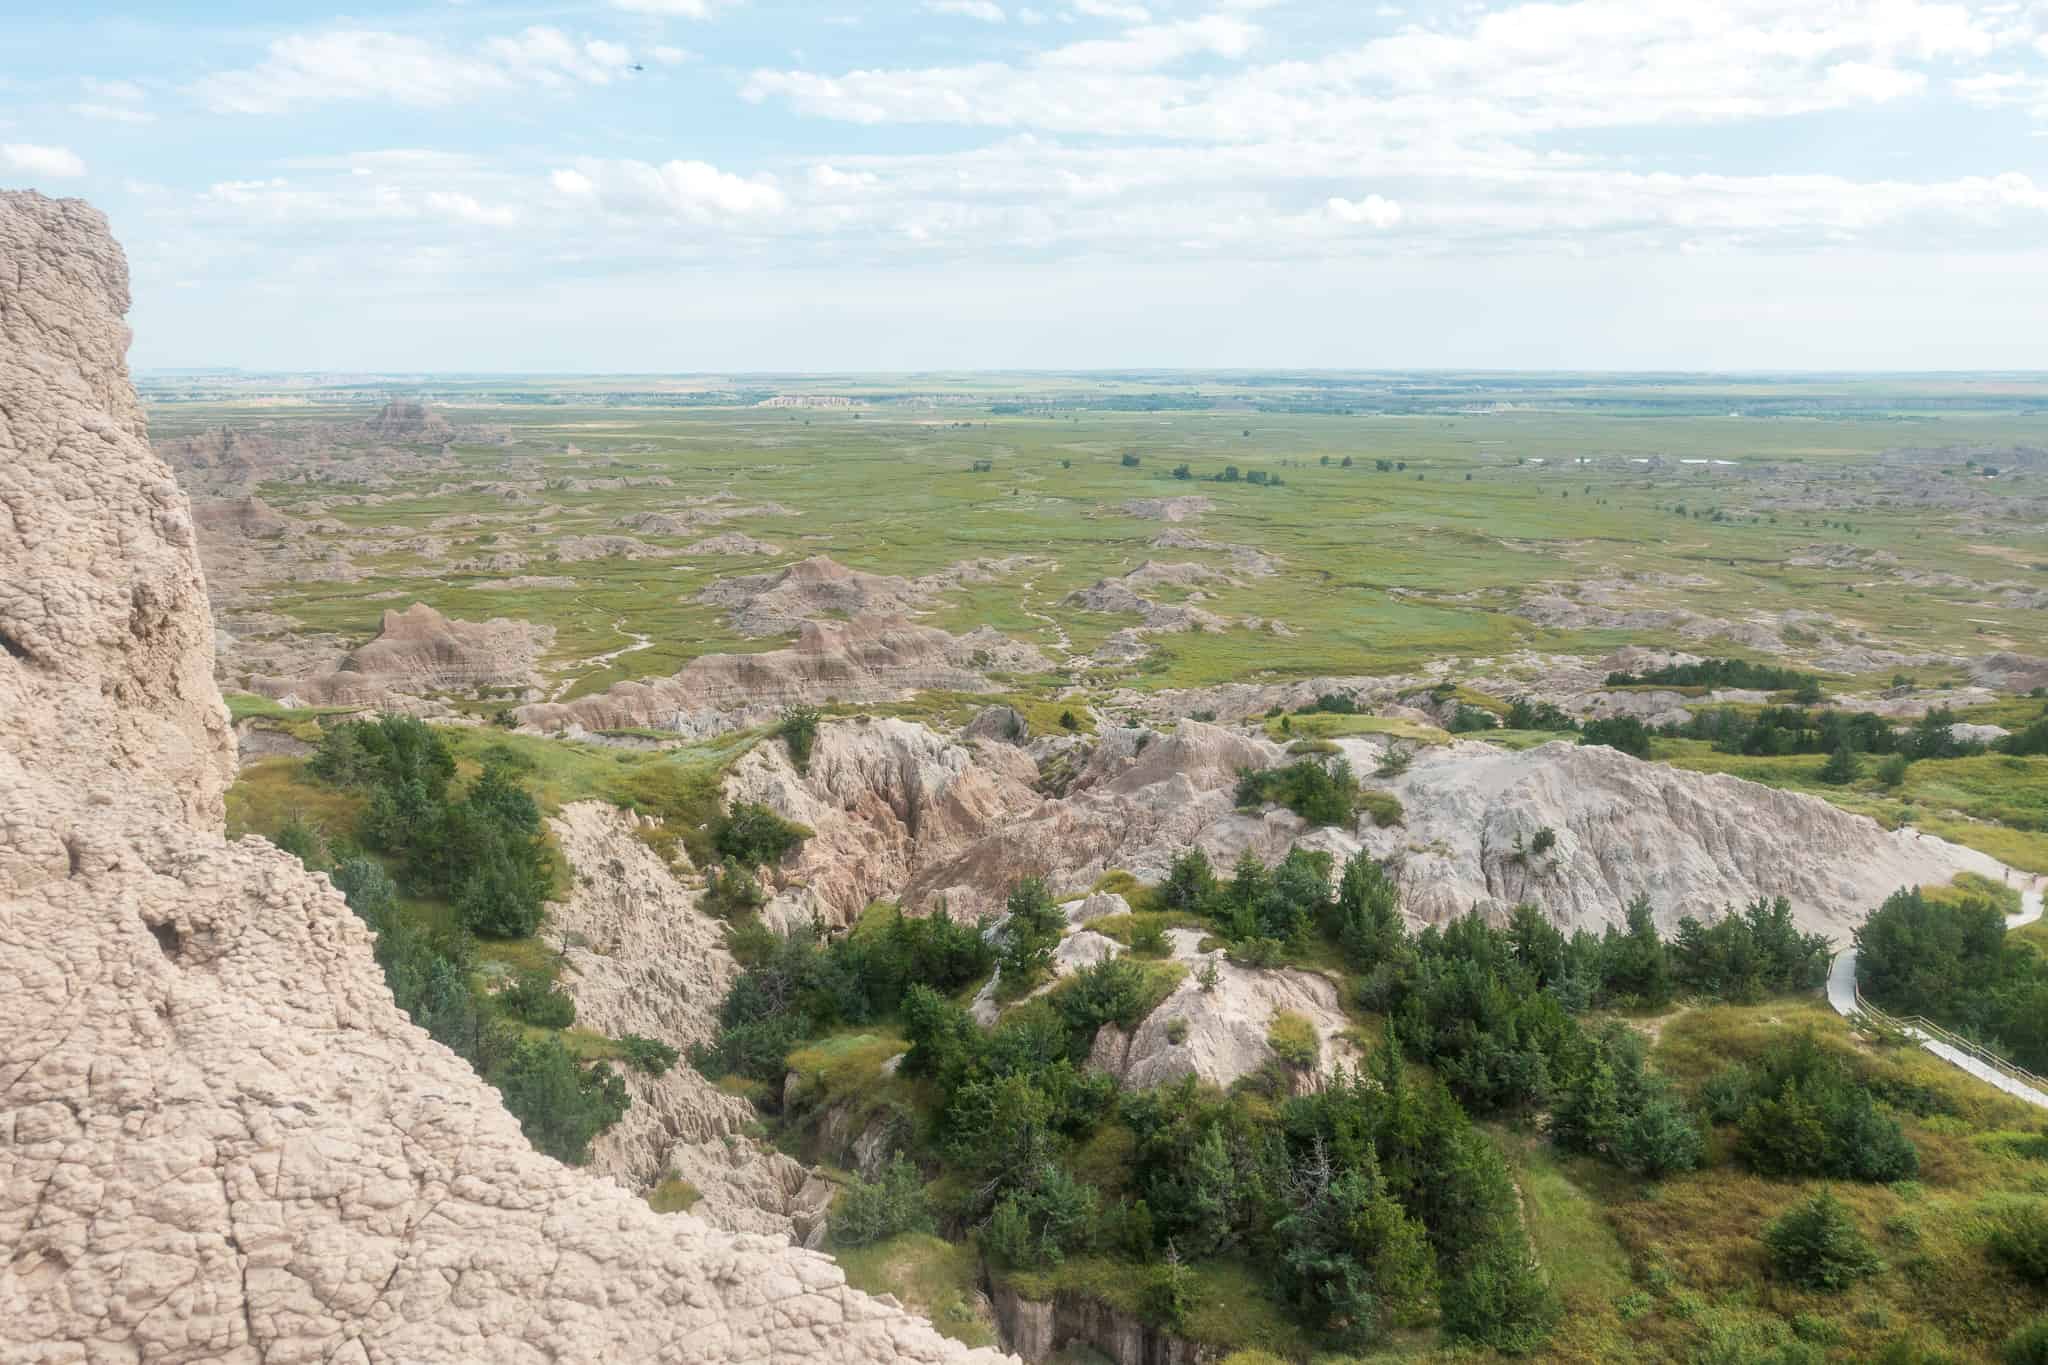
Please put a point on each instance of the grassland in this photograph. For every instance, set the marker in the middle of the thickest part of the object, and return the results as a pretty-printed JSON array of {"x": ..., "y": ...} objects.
[{"x": 1381, "y": 570}]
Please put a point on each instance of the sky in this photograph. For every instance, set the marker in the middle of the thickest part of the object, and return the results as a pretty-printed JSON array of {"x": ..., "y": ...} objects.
[{"x": 659, "y": 186}]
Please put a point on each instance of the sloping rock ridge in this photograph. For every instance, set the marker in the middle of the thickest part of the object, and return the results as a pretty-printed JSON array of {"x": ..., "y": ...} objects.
[
  {"x": 418, "y": 651},
  {"x": 1692, "y": 842},
  {"x": 869, "y": 659},
  {"x": 219, "y": 1138}
]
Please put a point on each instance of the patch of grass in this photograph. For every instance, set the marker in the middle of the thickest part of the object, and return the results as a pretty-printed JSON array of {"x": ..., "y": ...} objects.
[
  {"x": 938, "y": 1279},
  {"x": 1140, "y": 897},
  {"x": 1126, "y": 928},
  {"x": 1385, "y": 808},
  {"x": 673, "y": 1196},
  {"x": 1325, "y": 726},
  {"x": 836, "y": 1067}
]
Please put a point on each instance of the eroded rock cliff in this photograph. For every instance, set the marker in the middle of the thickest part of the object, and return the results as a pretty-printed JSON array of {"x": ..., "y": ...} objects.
[{"x": 219, "y": 1138}]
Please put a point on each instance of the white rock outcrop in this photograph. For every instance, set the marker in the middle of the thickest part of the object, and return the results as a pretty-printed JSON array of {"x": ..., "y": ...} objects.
[
  {"x": 219, "y": 1138},
  {"x": 1692, "y": 842}
]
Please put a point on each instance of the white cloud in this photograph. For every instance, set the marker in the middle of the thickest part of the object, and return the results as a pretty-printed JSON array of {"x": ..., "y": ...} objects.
[
  {"x": 828, "y": 177},
  {"x": 113, "y": 113},
  {"x": 364, "y": 64},
  {"x": 692, "y": 190},
  {"x": 987, "y": 11},
  {"x": 1155, "y": 45},
  {"x": 464, "y": 208},
  {"x": 1371, "y": 211},
  {"x": 1112, "y": 9},
  {"x": 678, "y": 9},
  {"x": 112, "y": 90},
  {"x": 670, "y": 56},
  {"x": 32, "y": 159},
  {"x": 1857, "y": 81}
]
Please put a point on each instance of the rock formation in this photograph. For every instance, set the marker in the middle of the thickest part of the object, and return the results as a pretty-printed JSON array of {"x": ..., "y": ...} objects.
[
  {"x": 781, "y": 602},
  {"x": 1692, "y": 842},
  {"x": 871, "y": 659},
  {"x": 885, "y": 800},
  {"x": 223, "y": 1141},
  {"x": 640, "y": 957},
  {"x": 419, "y": 651},
  {"x": 409, "y": 423}
]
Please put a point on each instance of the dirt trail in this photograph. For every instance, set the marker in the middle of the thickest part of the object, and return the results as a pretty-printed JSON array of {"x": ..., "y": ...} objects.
[
  {"x": 585, "y": 667},
  {"x": 1061, "y": 642}
]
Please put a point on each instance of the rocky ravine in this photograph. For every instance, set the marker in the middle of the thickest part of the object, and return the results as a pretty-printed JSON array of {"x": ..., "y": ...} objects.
[
  {"x": 641, "y": 958},
  {"x": 219, "y": 1139}
]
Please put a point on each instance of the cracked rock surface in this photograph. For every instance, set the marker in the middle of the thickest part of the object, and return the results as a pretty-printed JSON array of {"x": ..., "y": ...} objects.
[{"x": 219, "y": 1138}]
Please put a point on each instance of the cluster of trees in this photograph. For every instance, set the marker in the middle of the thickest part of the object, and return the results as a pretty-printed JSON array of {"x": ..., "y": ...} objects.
[
  {"x": 482, "y": 851},
  {"x": 1722, "y": 673},
  {"x": 1494, "y": 1011},
  {"x": 1625, "y": 733},
  {"x": 1230, "y": 473},
  {"x": 1954, "y": 964},
  {"x": 1374, "y": 1200},
  {"x": 1266, "y": 911},
  {"x": 1801, "y": 1112},
  {"x": 1322, "y": 794},
  {"x": 795, "y": 986},
  {"x": 1775, "y": 731},
  {"x": 560, "y": 1103}
]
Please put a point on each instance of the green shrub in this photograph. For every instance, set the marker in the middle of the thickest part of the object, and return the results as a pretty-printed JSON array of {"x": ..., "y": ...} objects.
[
  {"x": 1029, "y": 935},
  {"x": 302, "y": 839},
  {"x": 799, "y": 730},
  {"x": 533, "y": 997},
  {"x": 2019, "y": 1238},
  {"x": 1148, "y": 938},
  {"x": 1385, "y": 808},
  {"x": 650, "y": 1055},
  {"x": 1816, "y": 1245},
  {"x": 1293, "y": 1040},
  {"x": 560, "y": 1105},
  {"x": 869, "y": 1211},
  {"x": 2029, "y": 1345},
  {"x": 1043, "y": 1223},
  {"x": 1501, "y": 1301},
  {"x": 753, "y": 835},
  {"x": 1318, "y": 794},
  {"x": 1625, "y": 733}
]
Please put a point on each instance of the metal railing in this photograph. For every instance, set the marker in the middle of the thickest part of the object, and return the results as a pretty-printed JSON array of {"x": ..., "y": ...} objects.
[{"x": 1927, "y": 1028}]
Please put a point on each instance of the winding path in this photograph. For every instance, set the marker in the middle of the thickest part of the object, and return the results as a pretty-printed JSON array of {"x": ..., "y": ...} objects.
[
  {"x": 1842, "y": 995},
  {"x": 585, "y": 667}
]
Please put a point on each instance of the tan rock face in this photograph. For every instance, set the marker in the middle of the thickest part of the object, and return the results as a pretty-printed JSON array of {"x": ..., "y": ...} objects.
[
  {"x": 871, "y": 659},
  {"x": 222, "y": 1141},
  {"x": 106, "y": 652},
  {"x": 417, "y": 651},
  {"x": 886, "y": 800},
  {"x": 640, "y": 957}
]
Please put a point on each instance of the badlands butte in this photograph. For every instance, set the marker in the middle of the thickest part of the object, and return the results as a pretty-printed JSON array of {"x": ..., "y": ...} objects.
[{"x": 1155, "y": 867}]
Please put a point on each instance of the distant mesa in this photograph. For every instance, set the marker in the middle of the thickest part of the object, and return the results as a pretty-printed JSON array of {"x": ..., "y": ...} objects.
[{"x": 408, "y": 421}]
